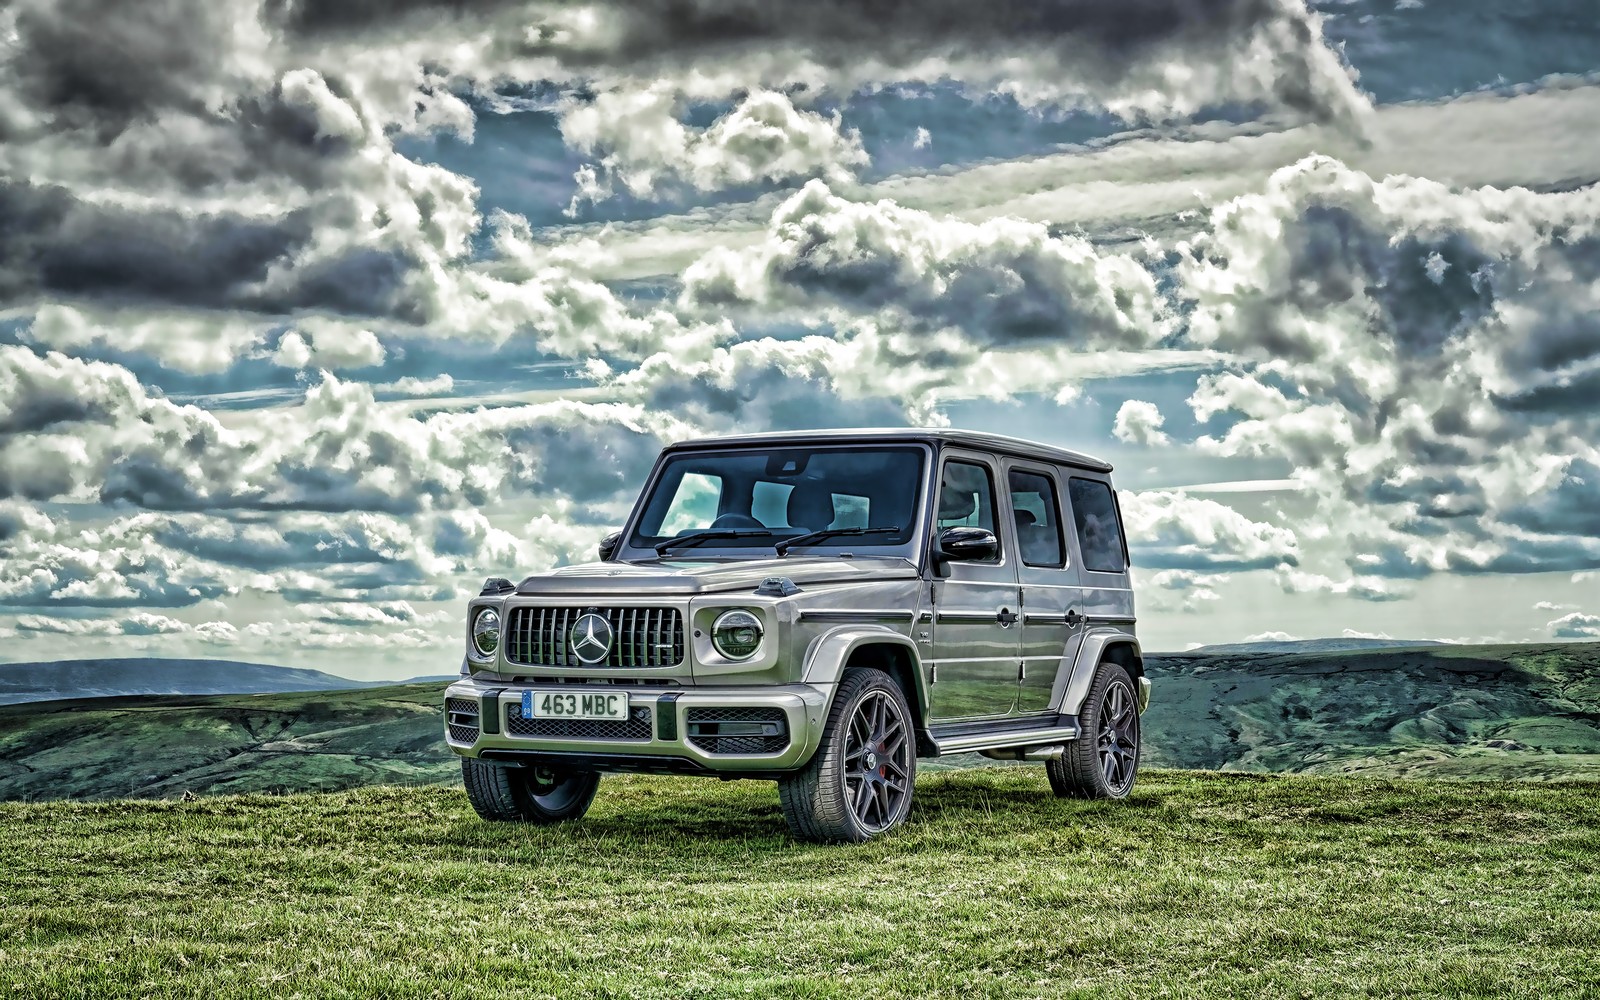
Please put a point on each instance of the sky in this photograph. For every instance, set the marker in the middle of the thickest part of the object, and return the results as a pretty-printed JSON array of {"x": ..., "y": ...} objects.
[{"x": 315, "y": 313}]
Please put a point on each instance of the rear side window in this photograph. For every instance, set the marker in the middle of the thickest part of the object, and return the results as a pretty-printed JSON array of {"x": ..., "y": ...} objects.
[
  {"x": 1033, "y": 503},
  {"x": 1099, "y": 535}
]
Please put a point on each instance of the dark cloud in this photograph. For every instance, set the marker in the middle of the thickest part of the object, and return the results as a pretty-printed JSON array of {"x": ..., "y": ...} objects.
[{"x": 1095, "y": 43}]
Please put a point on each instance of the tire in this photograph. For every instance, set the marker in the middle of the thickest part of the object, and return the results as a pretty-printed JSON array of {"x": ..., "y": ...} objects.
[
  {"x": 527, "y": 794},
  {"x": 858, "y": 784},
  {"x": 1104, "y": 760}
]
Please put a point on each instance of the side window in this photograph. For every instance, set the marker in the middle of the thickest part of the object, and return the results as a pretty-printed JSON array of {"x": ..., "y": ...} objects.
[
  {"x": 1034, "y": 505},
  {"x": 966, "y": 497},
  {"x": 694, "y": 505},
  {"x": 1099, "y": 536}
]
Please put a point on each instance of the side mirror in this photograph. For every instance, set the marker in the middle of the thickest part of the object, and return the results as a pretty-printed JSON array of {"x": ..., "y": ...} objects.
[
  {"x": 608, "y": 545},
  {"x": 965, "y": 545}
]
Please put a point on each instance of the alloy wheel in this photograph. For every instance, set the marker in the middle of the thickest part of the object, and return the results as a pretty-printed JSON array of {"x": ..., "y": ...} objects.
[
  {"x": 877, "y": 762},
  {"x": 1118, "y": 739}
]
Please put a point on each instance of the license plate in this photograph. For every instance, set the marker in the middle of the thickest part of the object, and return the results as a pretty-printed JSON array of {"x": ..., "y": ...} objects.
[{"x": 574, "y": 705}]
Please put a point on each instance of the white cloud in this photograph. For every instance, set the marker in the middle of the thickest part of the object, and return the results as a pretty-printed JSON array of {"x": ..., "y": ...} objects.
[
  {"x": 1139, "y": 422},
  {"x": 641, "y": 143},
  {"x": 1174, "y": 531},
  {"x": 317, "y": 342},
  {"x": 1575, "y": 626},
  {"x": 1271, "y": 637}
]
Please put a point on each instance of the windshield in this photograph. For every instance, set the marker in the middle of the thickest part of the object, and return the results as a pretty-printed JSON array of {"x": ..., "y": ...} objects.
[{"x": 770, "y": 495}]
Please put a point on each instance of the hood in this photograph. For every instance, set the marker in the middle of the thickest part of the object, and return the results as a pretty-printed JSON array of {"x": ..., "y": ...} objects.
[{"x": 679, "y": 577}]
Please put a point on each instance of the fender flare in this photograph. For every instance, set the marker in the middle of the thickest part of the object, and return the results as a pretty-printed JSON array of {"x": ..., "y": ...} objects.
[
  {"x": 828, "y": 653},
  {"x": 1095, "y": 645}
]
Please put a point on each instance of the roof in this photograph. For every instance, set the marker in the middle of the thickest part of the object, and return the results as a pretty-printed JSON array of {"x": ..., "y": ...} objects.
[{"x": 931, "y": 435}]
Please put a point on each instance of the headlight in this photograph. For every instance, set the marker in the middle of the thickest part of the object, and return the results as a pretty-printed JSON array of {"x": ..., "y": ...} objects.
[
  {"x": 736, "y": 634},
  {"x": 485, "y": 633}
]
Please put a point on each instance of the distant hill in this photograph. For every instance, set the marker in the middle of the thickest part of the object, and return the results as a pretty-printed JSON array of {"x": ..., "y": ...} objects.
[
  {"x": 1529, "y": 712},
  {"x": 1520, "y": 711},
  {"x": 1312, "y": 645},
  {"x": 165, "y": 746},
  {"x": 111, "y": 678}
]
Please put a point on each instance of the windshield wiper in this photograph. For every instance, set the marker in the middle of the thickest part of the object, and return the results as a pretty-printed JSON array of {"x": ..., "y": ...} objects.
[
  {"x": 696, "y": 537},
  {"x": 784, "y": 546}
]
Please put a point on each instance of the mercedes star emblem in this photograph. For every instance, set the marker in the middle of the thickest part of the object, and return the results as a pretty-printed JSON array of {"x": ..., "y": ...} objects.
[{"x": 591, "y": 638}]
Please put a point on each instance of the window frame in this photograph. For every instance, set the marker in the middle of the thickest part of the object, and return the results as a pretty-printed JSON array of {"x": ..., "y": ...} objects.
[
  {"x": 992, "y": 469},
  {"x": 1052, "y": 502},
  {"x": 1077, "y": 530}
]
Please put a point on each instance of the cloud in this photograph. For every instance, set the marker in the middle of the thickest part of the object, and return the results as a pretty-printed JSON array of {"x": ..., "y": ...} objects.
[
  {"x": 641, "y": 143},
  {"x": 1196, "y": 590},
  {"x": 1271, "y": 637},
  {"x": 320, "y": 343},
  {"x": 140, "y": 624},
  {"x": 1140, "y": 423},
  {"x": 1575, "y": 626},
  {"x": 999, "y": 283},
  {"x": 1376, "y": 589},
  {"x": 1173, "y": 531},
  {"x": 1416, "y": 352},
  {"x": 79, "y": 429},
  {"x": 1154, "y": 59}
]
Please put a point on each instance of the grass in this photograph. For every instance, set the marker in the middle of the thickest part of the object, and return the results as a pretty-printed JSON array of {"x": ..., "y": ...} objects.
[{"x": 1202, "y": 884}]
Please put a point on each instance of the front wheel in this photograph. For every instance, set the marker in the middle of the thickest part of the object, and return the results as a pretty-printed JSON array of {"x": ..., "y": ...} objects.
[
  {"x": 1102, "y": 762},
  {"x": 527, "y": 794},
  {"x": 858, "y": 784}
]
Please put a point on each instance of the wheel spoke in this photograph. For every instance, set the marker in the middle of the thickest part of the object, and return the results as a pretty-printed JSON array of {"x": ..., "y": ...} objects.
[{"x": 863, "y": 798}]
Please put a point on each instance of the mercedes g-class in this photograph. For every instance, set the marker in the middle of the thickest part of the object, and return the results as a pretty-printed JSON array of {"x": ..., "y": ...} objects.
[{"x": 821, "y": 609}]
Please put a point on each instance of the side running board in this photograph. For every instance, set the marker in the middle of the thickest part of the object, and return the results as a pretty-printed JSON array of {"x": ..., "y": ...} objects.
[{"x": 967, "y": 739}]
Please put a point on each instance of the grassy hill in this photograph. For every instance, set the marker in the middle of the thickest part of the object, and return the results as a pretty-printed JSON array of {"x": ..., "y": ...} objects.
[
  {"x": 1200, "y": 885},
  {"x": 117, "y": 677},
  {"x": 155, "y": 747},
  {"x": 1529, "y": 712},
  {"x": 1520, "y": 711}
]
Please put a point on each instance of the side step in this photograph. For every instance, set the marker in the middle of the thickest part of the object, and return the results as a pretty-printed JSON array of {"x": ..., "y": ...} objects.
[{"x": 1001, "y": 736}]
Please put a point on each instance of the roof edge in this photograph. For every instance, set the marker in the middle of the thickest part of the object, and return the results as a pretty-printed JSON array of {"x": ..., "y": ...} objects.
[{"x": 983, "y": 440}]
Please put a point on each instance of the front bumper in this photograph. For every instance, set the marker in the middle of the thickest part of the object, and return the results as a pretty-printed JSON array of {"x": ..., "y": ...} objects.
[{"x": 663, "y": 732}]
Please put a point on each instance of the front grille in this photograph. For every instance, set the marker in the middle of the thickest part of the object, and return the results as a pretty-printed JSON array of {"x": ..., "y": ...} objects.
[
  {"x": 637, "y": 727},
  {"x": 641, "y": 637},
  {"x": 461, "y": 720},
  {"x": 739, "y": 730}
]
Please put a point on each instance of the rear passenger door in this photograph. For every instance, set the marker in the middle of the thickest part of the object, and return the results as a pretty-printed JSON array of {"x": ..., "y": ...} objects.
[{"x": 1047, "y": 581}]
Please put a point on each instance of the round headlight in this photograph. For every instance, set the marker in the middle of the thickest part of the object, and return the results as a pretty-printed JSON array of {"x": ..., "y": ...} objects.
[
  {"x": 736, "y": 634},
  {"x": 486, "y": 633}
]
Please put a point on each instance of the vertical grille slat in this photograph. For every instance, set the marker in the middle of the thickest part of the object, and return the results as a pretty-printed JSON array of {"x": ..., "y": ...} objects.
[{"x": 641, "y": 637}]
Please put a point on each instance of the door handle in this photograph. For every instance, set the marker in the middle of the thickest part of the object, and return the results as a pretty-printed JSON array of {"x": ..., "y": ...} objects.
[
  {"x": 1006, "y": 618},
  {"x": 1074, "y": 619}
]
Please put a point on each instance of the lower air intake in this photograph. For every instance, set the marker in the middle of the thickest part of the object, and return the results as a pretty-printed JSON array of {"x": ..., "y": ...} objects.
[
  {"x": 461, "y": 720},
  {"x": 739, "y": 730}
]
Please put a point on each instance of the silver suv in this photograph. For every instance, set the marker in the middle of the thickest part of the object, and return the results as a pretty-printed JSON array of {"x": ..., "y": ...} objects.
[{"x": 822, "y": 609}]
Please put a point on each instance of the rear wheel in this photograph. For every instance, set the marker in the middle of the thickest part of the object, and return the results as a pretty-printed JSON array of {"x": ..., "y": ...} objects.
[
  {"x": 1103, "y": 761},
  {"x": 527, "y": 794},
  {"x": 859, "y": 782}
]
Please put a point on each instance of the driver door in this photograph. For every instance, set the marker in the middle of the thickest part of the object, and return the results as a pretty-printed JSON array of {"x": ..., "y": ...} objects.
[{"x": 977, "y": 638}]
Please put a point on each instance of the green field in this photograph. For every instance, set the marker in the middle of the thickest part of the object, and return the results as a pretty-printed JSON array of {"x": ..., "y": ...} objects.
[
  {"x": 1526, "y": 712},
  {"x": 1202, "y": 885}
]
